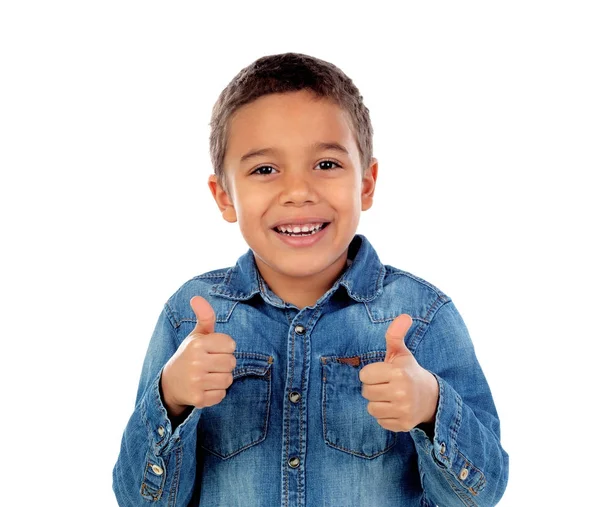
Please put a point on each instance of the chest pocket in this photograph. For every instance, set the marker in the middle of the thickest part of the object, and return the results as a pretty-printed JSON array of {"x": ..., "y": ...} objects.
[
  {"x": 241, "y": 419},
  {"x": 347, "y": 425}
]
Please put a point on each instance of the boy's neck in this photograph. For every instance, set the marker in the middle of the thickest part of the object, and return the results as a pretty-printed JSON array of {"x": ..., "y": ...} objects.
[{"x": 304, "y": 291}]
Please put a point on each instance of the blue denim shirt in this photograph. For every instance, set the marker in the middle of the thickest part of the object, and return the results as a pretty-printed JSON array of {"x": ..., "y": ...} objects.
[{"x": 293, "y": 429}]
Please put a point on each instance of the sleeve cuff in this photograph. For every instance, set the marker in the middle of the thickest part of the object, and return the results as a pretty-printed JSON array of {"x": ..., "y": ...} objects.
[
  {"x": 154, "y": 414},
  {"x": 443, "y": 449}
]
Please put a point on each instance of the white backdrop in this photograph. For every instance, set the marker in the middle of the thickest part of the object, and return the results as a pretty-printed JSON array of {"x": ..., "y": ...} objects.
[{"x": 486, "y": 118}]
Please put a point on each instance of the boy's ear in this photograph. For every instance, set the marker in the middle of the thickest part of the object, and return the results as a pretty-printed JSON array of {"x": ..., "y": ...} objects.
[
  {"x": 368, "y": 185},
  {"x": 222, "y": 199}
]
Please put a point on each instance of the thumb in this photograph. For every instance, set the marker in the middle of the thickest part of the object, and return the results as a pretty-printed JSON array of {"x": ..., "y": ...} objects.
[
  {"x": 394, "y": 338},
  {"x": 205, "y": 315}
]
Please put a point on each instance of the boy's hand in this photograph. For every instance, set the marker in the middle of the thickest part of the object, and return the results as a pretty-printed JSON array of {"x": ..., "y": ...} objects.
[
  {"x": 199, "y": 372},
  {"x": 401, "y": 393}
]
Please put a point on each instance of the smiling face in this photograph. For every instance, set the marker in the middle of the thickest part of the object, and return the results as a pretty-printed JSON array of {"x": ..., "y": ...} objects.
[{"x": 292, "y": 159}]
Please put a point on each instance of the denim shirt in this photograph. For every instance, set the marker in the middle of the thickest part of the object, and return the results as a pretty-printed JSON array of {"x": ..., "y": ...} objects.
[{"x": 293, "y": 429}]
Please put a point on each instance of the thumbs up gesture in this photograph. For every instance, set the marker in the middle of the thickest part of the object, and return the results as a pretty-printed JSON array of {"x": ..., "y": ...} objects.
[
  {"x": 199, "y": 372},
  {"x": 401, "y": 393}
]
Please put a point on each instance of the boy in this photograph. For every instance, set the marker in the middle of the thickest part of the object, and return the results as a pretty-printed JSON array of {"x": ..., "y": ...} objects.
[{"x": 309, "y": 373}]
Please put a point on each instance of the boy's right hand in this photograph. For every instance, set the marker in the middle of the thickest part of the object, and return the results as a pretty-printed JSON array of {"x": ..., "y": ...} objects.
[{"x": 200, "y": 371}]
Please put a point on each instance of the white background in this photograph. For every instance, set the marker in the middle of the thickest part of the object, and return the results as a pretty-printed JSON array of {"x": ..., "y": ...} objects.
[{"x": 486, "y": 118}]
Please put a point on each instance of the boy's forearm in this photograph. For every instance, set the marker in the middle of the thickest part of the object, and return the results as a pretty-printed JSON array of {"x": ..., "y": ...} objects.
[
  {"x": 144, "y": 471},
  {"x": 462, "y": 460}
]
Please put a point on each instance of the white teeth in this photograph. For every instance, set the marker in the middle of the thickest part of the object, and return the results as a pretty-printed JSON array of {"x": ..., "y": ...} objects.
[{"x": 300, "y": 229}]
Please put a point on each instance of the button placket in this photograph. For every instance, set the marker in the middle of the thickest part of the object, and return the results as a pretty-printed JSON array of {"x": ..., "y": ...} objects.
[{"x": 294, "y": 432}]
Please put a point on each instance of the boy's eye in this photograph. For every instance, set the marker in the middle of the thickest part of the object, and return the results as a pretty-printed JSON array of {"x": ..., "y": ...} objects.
[
  {"x": 261, "y": 170},
  {"x": 329, "y": 162},
  {"x": 258, "y": 170}
]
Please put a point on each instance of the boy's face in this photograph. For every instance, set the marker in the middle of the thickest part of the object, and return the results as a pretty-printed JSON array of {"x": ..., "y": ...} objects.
[{"x": 294, "y": 181}]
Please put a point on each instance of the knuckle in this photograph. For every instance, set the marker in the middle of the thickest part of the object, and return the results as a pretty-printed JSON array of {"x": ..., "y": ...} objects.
[
  {"x": 397, "y": 373},
  {"x": 218, "y": 396},
  {"x": 197, "y": 344},
  {"x": 198, "y": 400},
  {"x": 397, "y": 394}
]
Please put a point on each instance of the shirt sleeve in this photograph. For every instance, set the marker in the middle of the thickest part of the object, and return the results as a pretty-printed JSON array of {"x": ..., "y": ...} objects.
[
  {"x": 153, "y": 453},
  {"x": 462, "y": 462}
]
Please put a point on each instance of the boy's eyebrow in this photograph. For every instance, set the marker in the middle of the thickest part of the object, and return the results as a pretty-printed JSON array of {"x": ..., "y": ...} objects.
[{"x": 318, "y": 146}]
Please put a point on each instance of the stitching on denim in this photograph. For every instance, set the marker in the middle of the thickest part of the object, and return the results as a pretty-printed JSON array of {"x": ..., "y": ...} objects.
[
  {"x": 172, "y": 502},
  {"x": 144, "y": 415},
  {"x": 396, "y": 271},
  {"x": 369, "y": 312},
  {"x": 389, "y": 319},
  {"x": 288, "y": 313},
  {"x": 195, "y": 321},
  {"x": 226, "y": 319},
  {"x": 434, "y": 308},
  {"x": 455, "y": 423},
  {"x": 170, "y": 315},
  {"x": 255, "y": 355},
  {"x": 481, "y": 482},
  {"x": 147, "y": 492},
  {"x": 302, "y": 411},
  {"x": 287, "y": 433},
  {"x": 373, "y": 291},
  {"x": 436, "y": 425},
  {"x": 211, "y": 275},
  {"x": 422, "y": 330},
  {"x": 364, "y": 357},
  {"x": 464, "y": 499}
]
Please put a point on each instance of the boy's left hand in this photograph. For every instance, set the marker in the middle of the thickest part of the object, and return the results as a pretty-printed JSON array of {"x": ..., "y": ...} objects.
[{"x": 401, "y": 393}]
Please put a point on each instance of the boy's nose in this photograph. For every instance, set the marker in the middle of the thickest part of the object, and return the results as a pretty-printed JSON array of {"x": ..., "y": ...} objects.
[{"x": 297, "y": 189}]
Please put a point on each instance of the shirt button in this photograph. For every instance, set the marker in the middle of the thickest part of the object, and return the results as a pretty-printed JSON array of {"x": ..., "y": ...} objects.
[
  {"x": 294, "y": 462},
  {"x": 442, "y": 448},
  {"x": 294, "y": 397},
  {"x": 299, "y": 329},
  {"x": 157, "y": 470},
  {"x": 463, "y": 474},
  {"x": 161, "y": 431}
]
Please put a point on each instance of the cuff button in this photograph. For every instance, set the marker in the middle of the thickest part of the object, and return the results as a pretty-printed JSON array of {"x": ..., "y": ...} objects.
[
  {"x": 463, "y": 474},
  {"x": 157, "y": 470}
]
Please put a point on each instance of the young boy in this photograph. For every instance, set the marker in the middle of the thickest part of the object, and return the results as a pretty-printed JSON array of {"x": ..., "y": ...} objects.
[{"x": 309, "y": 374}]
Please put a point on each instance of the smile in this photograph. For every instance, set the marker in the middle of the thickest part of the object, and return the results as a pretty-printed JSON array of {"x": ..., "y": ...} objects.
[
  {"x": 302, "y": 238},
  {"x": 300, "y": 231}
]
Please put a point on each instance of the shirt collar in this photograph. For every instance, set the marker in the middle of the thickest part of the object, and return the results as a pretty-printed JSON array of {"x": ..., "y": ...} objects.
[{"x": 363, "y": 278}]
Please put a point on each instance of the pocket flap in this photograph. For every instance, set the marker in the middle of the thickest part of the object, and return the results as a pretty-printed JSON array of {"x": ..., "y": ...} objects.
[{"x": 250, "y": 363}]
